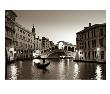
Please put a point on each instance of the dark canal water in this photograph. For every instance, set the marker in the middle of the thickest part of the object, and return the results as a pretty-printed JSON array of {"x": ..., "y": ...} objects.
[{"x": 63, "y": 69}]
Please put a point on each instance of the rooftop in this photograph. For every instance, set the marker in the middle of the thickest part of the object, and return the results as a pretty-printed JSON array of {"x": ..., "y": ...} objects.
[
  {"x": 20, "y": 26},
  {"x": 91, "y": 27}
]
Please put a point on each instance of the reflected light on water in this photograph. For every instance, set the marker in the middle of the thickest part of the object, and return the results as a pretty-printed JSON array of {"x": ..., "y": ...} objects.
[
  {"x": 21, "y": 64},
  {"x": 68, "y": 63},
  {"x": 13, "y": 72},
  {"x": 98, "y": 72},
  {"x": 61, "y": 69},
  {"x": 76, "y": 71}
]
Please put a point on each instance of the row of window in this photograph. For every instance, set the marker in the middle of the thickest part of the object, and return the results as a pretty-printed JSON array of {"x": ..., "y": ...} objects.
[
  {"x": 92, "y": 55},
  {"x": 93, "y": 44},
  {"x": 92, "y": 33},
  {"x": 9, "y": 32},
  {"x": 23, "y": 45},
  {"x": 23, "y": 38},
  {"x": 23, "y": 51},
  {"x": 22, "y": 31},
  {"x": 45, "y": 44},
  {"x": 39, "y": 47}
]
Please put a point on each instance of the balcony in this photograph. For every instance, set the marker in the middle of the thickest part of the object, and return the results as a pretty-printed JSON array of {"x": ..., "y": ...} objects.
[{"x": 8, "y": 37}]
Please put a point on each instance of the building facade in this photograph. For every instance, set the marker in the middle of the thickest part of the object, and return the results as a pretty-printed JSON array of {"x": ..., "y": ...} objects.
[
  {"x": 24, "y": 42},
  {"x": 10, "y": 17},
  {"x": 38, "y": 43},
  {"x": 91, "y": 43},
  {"x": 45, "y": 44},
  {"x": 21, "y": 43},
  {"x": 51, "y": 44}
]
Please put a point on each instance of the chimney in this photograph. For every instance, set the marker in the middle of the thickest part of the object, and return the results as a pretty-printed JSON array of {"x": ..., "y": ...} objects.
[{"x": 89, "y": 24}]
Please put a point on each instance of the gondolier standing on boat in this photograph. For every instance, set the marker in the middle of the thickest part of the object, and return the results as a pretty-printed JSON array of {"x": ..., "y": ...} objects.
[{"x": 43, "y": 61}]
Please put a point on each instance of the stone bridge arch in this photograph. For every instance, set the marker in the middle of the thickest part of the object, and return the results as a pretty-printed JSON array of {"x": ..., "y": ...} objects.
[{"x": 57, "y": 53}]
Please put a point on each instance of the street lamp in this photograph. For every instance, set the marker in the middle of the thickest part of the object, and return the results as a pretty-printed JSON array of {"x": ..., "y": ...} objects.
[
  {"x": 98, "y": 54},
  {"x": 98, "y": 49}
]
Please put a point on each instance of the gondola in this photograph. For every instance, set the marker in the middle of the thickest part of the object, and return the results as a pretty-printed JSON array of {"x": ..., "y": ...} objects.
[{"x": 42, "y": 66}]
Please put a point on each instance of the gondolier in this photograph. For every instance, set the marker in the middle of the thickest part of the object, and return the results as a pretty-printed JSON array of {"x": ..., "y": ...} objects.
[
  {"x": 43, "y": 60},
  {"x": 42, "y": 64}
]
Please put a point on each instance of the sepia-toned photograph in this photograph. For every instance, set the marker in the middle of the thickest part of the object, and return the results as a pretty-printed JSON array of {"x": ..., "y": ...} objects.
[{"x": 55, "y": 44}]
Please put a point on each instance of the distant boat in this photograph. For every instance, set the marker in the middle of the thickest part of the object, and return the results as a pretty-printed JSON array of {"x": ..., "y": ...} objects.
[{"x": 42, "y": 66}]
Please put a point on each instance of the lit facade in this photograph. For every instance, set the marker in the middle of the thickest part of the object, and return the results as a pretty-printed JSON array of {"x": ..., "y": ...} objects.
[
  {"x": 10, "y": 18},
  {"x": 91, "y": 43},
  {"x": 24, "y": 42}
]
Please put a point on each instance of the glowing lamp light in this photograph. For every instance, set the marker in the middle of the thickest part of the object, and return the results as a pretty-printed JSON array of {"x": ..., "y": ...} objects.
[
  {"x": 33, "y": 54},
  {"x": 11, "y": 49},
  {"x": 76, "y": 50},
  {"x": 98, "y": 49},
  {"x": 98, "y": 72},
  {"x": 15, "y": 52}
]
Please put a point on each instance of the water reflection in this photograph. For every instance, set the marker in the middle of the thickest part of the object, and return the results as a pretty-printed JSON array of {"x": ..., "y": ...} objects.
[
  {"x": 67, "y": 63},
  {"x": 64, "y": 69},
  {"x": 61, "y": 69},
  {"x": 76, "y": 71},
  {"x": 98, "y": 72},
  {"x": 13, "y": 72},
  {"x": 21, "y": 64}
]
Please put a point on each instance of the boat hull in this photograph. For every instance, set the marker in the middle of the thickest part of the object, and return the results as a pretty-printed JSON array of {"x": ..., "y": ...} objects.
[{"x": 42, "y": 66}]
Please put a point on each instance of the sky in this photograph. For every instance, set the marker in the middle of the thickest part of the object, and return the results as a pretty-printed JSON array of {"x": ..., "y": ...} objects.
[{"x": 59, "y": 25}]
